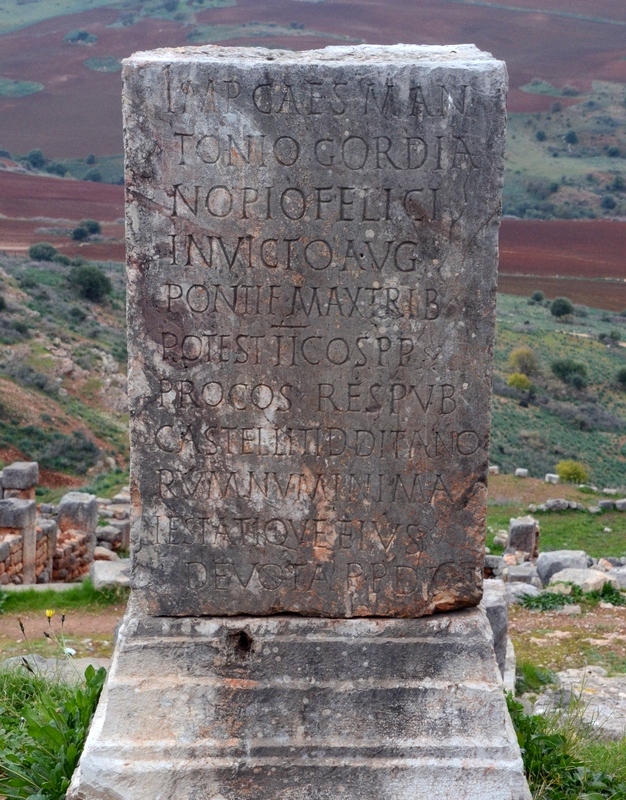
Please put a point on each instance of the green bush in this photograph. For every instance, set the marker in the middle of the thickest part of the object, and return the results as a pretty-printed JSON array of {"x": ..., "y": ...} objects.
[
  {"x": 94, "y": 175},
  {"x": 92, "y": 226},
  {"x": 621, "y": 377},
  {"x": 42, "y": 251},
  {"x": 571, "y": 372},
  {"x": 537, "y": 296},
  {"x": 561, "y": 306},
  {"x": 61, "y": 258},
  {"x": 571, "y": 137},
  {"x": 540, "y": 136},
  {"x": 572, "y": 471},
  {"x": 608, "y": 202},
  {"x": 3, "y": 305},
  {"x": 91, "y": 282},
  {"x": 524, "y": 359},
  {"x": 79, "y": 234},
  {"x": 80, "y": 37},
  {"x": 519, "y": 381},
  {"x": 36, "y": 159}
]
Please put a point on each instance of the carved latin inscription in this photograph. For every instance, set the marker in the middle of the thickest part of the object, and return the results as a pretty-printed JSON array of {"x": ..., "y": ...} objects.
[{"x": 312, "y": 256}]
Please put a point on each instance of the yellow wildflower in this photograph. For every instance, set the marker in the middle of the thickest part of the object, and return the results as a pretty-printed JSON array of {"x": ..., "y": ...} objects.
[{"x": 50, "y": 612}]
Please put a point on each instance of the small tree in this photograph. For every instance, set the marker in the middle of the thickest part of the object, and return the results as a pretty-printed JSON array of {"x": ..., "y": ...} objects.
[
  {"x": 540, "y": 136},
  {"x": 571, "y": 471},
  {"x": 571, "y": 372},
  {"x": 537, "y": 296},
  {"x": 91, "y": 225},
  {"x": 36, "y": 159},
  {"x": 561, "y": 307},
  {"x": 91, "y": 282},
  {"x": 94, "y": 175},
  {"x": 43, "y": 251},
  {"x": 621, "y": 377},
  {"x": 519, "y": 381},
  {"x": 3, "y": 307},
  {"x": 80, "y": 234},
  {"x": 571, "y": 137},
  {"x": 524, "y": 360}
]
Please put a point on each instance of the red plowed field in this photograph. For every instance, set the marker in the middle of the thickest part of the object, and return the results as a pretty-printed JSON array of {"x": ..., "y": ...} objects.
[
  {"x": 32, "y": 207},
  {"x": 78, "y": 112},
  {"x": 582, "y": 249}
]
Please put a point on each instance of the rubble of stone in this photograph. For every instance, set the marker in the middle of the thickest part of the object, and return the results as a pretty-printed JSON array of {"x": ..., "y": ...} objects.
[
  {"x": 56, "y": 543},
  {"x": 602, "y": 700},
  {"x": 560, "y": 504}
]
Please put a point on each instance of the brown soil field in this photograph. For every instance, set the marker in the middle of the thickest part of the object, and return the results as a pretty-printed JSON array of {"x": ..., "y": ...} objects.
[
  {"x": 609, "y": 295},
  {"x": 30, "y": 196},
  {"x": 78, "y": 112},
  {"x": 567, "y": 248}
]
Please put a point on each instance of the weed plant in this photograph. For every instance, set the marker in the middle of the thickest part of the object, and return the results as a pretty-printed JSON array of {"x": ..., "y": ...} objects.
[
  {"x": 563, "y": 758},
  {"x": 548, "y": 601},
  {"x": 43, "y": 724}
]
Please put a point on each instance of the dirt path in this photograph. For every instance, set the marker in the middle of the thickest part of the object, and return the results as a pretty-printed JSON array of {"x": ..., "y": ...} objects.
[{"x": 88, "y": 633}]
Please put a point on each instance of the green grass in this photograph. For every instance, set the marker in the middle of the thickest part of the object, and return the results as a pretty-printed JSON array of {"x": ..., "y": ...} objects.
[
  {"x": 104, "y": 64},
  {"x": 81, "y": 596},
  {"x": 568, "y": 530},
  {"x": 11, "y": 88}
]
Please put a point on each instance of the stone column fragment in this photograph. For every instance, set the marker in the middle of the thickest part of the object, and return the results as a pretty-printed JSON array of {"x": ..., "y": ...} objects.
[{"x": 312, "y": 250}]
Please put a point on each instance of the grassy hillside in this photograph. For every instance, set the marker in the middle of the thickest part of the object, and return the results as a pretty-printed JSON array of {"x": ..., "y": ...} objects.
[
  {"x": 554, "y": 420},
  {"x": 62, "y": 378},
  {"x": 62, "y": 368},
  {"x": 569, "y": 162}
]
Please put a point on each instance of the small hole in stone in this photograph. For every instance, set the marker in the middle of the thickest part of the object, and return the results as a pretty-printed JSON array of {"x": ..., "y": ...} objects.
[{"x": 241, "y": 641}]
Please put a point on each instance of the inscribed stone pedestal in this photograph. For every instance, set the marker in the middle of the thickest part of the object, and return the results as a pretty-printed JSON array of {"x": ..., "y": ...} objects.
[{"x": 312, "y": 249}]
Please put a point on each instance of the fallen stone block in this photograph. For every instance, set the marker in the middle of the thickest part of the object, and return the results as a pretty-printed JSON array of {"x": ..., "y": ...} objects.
[
  {"x": 550, "y": 562},
  {"x": 20, "y": 475},
  {"x": 103, "y": 554},
  {"x": 78, "y": 511},
  {"x": 516, "y": 591},
  {"x": 523, "y": 535},
  {"x": 521, "y": 573},
  {"x": 16, "y": 513},
  {"x": 589, "y": 580},
  {"x": 105, "y": 574},
  {"x": 495, "y": 604},
  {"x": 552, "y": 477},
  {"x": 521, "y": 473},
  {"x": 606, "y": 505}
]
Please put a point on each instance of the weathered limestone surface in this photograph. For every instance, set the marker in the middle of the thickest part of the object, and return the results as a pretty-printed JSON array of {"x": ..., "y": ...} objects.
[
  {"x": 283, "y": 708},
  {"x": 312, "y": 249}
]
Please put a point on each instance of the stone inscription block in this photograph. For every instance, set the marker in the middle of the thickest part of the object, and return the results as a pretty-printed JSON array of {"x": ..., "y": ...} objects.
[{"x": 312, "y": 251}]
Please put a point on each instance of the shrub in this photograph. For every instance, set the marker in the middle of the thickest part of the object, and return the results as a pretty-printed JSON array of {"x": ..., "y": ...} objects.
[
  {"x": 80, "y": 37},
  {"x": 571, "y": 137},
  {"x": 618, "y": 184},
  {"x": 621, "y": 377},
  {"x": 91, "y": 282},
  {"x": 519, "y": 381},
  {"x": 608, "y": 201},
  {"x": 540, "y": 136},
  {"x": 43, "y": 251},
  {"x": 3, "y": 303},
  {"x": 93, "y": 227},
  {"x": 94, "y": 175},
  {"x": 570, "y": 371},
  {"x": 572, "y": 471},
  {"x": 561, "y": 307},
  {"x": 537, "y": 296},
  {"x": 61, "y": 258},
  {"x": 79, "y": 234},
  {"x": 36, "y": 159},
  {"x": 90, "y": 159},
  {"x": 524, "y": 360},
  {"x": 56, "y": 168},
  {"x": 615, "y": 336},
  {"x": 613, "y": 152}
]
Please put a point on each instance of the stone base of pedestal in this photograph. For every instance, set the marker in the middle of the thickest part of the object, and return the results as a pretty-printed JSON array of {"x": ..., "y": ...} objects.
[{"x": 289, "y": 708}]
